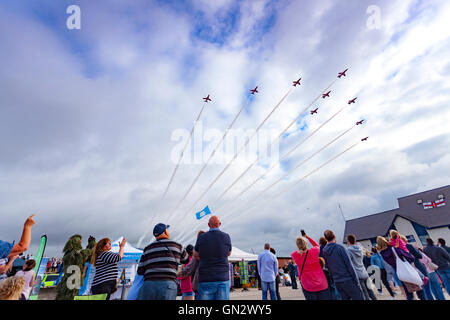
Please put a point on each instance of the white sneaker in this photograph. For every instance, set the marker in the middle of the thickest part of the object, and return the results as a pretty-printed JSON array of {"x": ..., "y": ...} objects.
[{"x": 391, "y": 298}]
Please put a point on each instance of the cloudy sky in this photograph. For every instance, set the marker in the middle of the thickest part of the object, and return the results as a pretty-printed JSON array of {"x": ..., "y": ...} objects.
[{"x": 88, "y": 117}]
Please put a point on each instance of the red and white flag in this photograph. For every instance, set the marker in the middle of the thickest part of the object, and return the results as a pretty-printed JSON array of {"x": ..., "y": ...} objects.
[{"x": 434, "y": 204}]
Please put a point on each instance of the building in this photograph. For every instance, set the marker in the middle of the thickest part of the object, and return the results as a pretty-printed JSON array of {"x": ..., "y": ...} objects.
[{"x": 418, "y": 216}]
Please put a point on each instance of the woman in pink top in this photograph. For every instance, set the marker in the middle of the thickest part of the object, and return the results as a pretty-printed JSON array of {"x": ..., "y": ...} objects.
[{"x": 310, "y": 273}]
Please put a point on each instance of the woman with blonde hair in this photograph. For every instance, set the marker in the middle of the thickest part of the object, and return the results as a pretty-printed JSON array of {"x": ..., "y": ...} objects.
[
  {"x": 310, "y": 273},
  {"x": 106, "y": 271},
  {"x": 385, "y": 250},
  {"x": 11, "y": 288}
]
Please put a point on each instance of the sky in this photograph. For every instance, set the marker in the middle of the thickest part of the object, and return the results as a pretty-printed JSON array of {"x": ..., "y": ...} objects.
[{"x": 89, "y": 117}]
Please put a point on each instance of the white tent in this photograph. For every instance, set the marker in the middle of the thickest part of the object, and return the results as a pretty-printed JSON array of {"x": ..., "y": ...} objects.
[
  {"x": 237, "y": 255},
  {"x": 130, "y": 253}
]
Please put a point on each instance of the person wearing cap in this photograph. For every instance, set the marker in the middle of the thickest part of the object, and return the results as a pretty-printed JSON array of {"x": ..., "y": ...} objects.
[
  {"x": 212, "y": 250},
  {"x": 159, "y": 265}
]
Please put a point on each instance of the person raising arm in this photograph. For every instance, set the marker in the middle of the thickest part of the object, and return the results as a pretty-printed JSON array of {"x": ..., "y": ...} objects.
[{"x": 25, "y": 240}]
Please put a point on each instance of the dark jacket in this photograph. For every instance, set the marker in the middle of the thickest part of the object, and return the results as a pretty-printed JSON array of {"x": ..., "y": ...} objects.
[
  {"x": 417, "y": 256},
  {"x": 439, "y": 256},
  {"x": 366, "y": 261},
  {"x": 339, "y": 264},
  {"x": 389, "y": 257},
  {"x": 321, "y": 255},
  {"x": 291, "y": 269},
  {"x": 446, "y": 249}
]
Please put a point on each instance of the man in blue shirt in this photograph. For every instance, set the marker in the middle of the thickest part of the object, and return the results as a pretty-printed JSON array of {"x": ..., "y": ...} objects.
[
  {"x": 212, "y": 250},
  {"x": 268, "y": 270}
]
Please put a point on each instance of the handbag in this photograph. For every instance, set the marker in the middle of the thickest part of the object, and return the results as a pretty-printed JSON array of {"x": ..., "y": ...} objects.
[
  {"x": 406, "y": 272},
  {"x": 301, "y": 271},
  {"x": 411, "y": 287},
  {"x": 431, "y": 265}
]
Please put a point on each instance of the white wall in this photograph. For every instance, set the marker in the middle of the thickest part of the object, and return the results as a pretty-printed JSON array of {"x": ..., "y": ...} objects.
[
  {"x": 366, "y": 244},
  {"x": 405, "y": 228},
  {"x": 443, "y": 233}
]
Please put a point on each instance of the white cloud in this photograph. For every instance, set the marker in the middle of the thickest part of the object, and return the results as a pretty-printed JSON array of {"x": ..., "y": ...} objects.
[{"x": 90, "y": 153}]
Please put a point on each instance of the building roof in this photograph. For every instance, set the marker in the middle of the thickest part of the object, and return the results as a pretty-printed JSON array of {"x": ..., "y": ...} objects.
[
  {"x": 370, "y": 226},
  {"x": 431, "y": 218},
  {"x": 378, "y": 224}
]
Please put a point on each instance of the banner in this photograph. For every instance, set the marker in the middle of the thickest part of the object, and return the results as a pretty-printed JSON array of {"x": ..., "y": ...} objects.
[
  {"x": 87, "y": 281},
  {"x": 39, "y": 269},
  {"x": 243, "y": 269}
]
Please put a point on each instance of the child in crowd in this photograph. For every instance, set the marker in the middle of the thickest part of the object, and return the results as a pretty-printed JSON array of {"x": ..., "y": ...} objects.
[{"x": 396, "y": 241}]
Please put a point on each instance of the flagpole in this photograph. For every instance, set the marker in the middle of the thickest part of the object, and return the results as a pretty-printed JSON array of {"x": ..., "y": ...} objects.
[{"x": 342, "y": 213}]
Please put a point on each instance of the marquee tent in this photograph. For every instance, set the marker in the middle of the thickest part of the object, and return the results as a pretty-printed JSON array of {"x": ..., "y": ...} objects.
[
  {"x": 237, "y": 255},
  {"x": 130, "y": 253}
]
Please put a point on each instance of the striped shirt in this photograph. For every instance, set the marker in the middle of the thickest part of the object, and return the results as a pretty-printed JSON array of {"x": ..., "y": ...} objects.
[
  {"x": 160, "y": 260},
  {"x": 106, "y": 267}
]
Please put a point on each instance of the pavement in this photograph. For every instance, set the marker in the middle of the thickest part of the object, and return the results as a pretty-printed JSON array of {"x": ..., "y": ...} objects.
[{"x": 286, "y": 293}]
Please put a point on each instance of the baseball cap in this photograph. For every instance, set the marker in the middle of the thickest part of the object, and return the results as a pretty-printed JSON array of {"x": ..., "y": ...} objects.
[
  {"x": 5, "y": 248},
  {"x": 159, "y": 229}
]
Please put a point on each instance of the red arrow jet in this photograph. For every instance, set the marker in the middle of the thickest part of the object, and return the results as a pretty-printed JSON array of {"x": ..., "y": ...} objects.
[
  {"x": 314, "y": 111},
  {"x": 365, "y": 139},
  {"x": 207, "y": 99},
  {"x": 297, "y": 82},
  {"x": 352, "y": 101},
  {"x": 342, "y": 73},
  {"x": 359, "y": 122},
  {"x": 254, "y": 90},
  {"x": 326, "y": 94}
]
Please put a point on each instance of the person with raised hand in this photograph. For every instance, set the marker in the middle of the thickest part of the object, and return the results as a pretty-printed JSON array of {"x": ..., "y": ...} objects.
[
  {"x": 9, "y": 250},
  {"x": 106, "y": 270}
]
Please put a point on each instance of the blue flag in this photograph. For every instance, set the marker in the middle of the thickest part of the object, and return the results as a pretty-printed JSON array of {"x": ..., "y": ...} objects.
[{"x": 203, "y": 213}]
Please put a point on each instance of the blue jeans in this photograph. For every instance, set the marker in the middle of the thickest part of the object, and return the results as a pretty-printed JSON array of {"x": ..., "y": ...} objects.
[
  {"x": 158, "y": 290},
  {"x": 435, "y": 287},
  {"x": 268, "y": 286},
  {"x": 218, "y": 290},
  {"x": 445, "y": 277},
  {"x": 336, "y": 292}
]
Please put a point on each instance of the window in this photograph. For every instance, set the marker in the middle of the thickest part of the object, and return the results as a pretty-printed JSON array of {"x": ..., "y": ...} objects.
[
  {"x": 411, "y": 238},
  {"x": 374, "y": 242},
  {"x": 421, "y": 232},
  {"x": 392, "y": 227}
]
